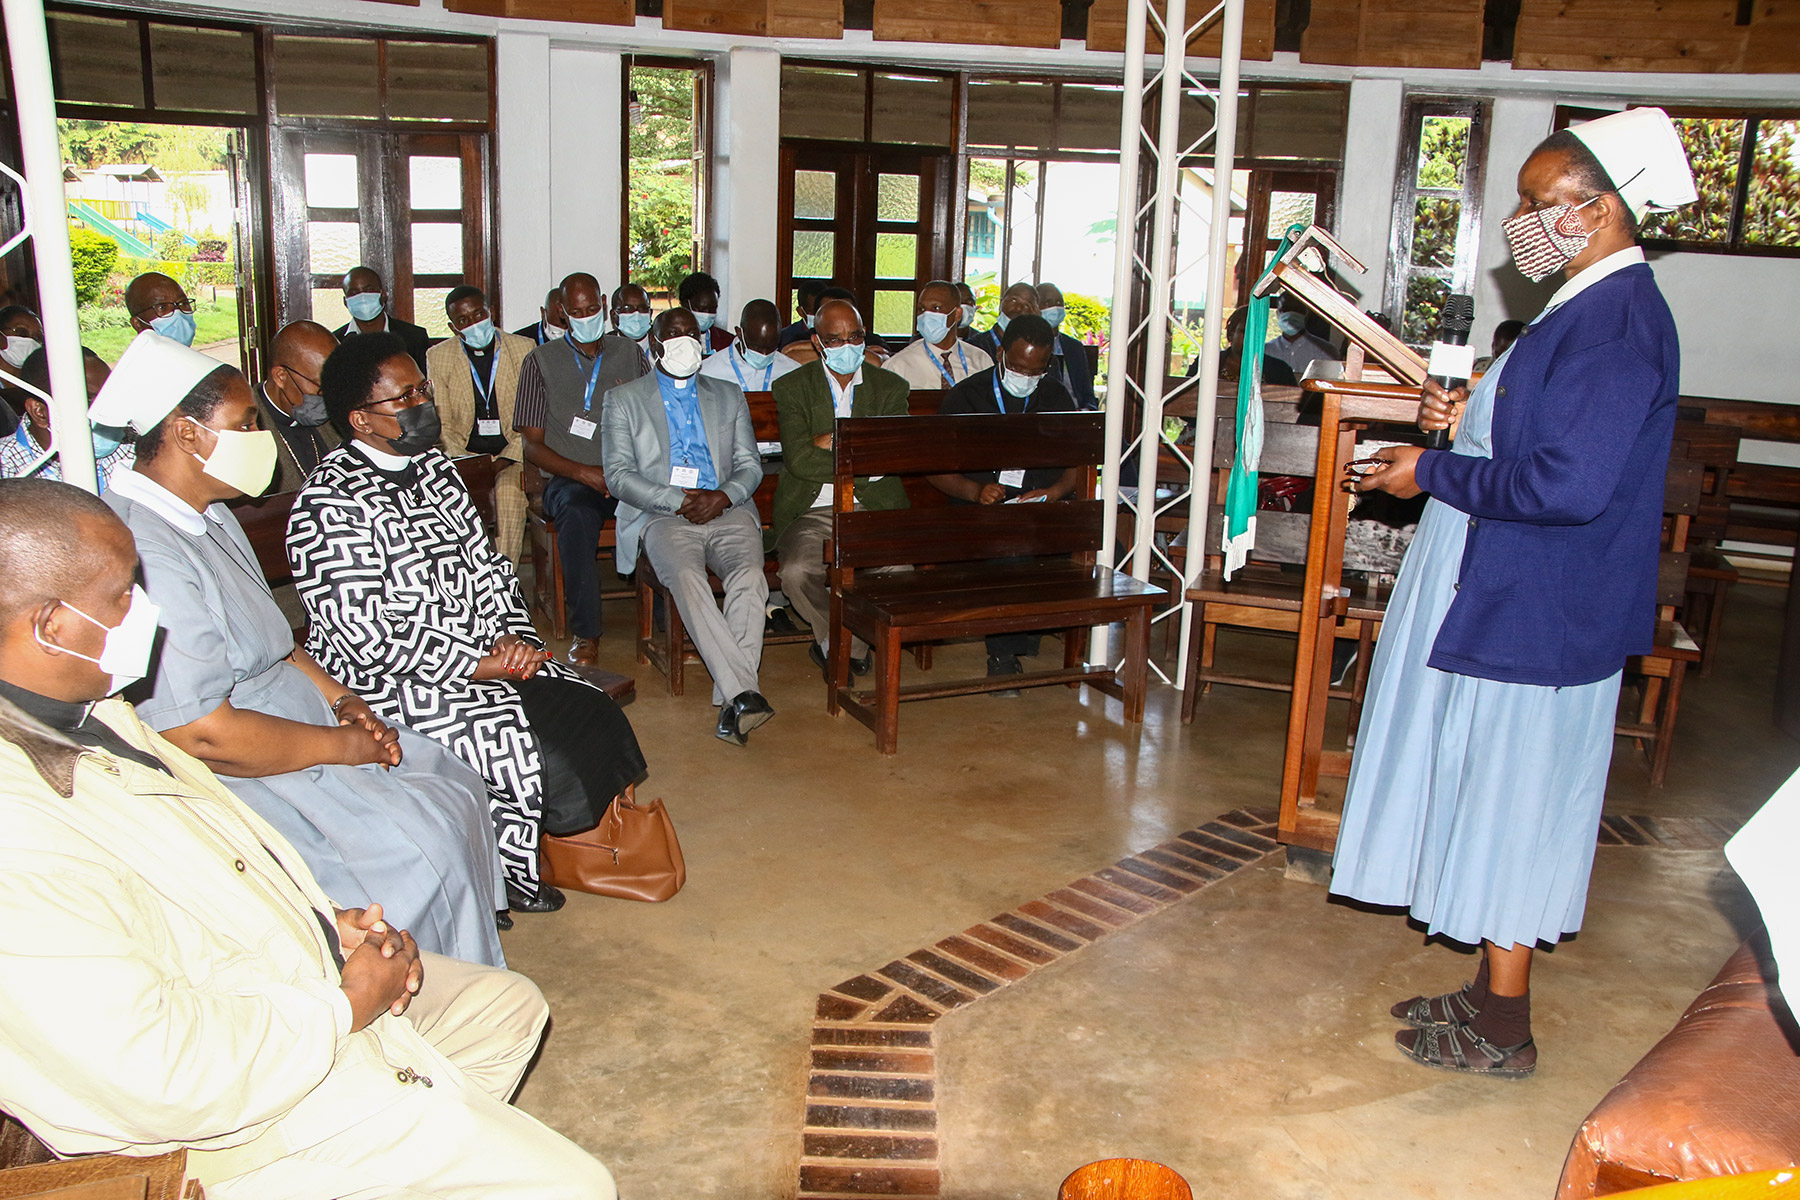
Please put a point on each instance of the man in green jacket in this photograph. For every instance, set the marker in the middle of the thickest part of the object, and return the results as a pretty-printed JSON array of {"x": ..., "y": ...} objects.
[{"x": 808, "y": 402}]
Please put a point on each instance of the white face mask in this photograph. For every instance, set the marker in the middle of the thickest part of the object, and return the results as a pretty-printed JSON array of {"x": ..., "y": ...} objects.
[
  {"x": 18, "y": 349},
  {"x": 680, "y": 357},
  {"x": 125, "y": 653},
  {"x": 1017, "y": 385},
  {"x": 240, "y": 459},
  {"x": 554, "y": 332}
]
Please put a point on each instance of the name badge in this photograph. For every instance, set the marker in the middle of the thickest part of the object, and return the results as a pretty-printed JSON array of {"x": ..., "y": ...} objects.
[
  {"x": 684, "y": 477},
  {"x": 488, "y": 428},
  {"x": 581, "y": 427},
  {"x": 1013, "y": 478}
]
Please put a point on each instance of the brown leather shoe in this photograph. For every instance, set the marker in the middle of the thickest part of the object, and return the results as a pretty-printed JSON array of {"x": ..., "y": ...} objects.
[{"x": 584, "y": 652}]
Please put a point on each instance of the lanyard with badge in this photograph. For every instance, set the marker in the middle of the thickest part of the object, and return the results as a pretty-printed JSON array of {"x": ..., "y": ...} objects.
[
  {"x": 941, "y": 366},
  {"x": 767, "y": 371},
  {"x": 488, "y": 438},
  {"x": 1014, "y": 478},
  {"x": 582, "y": 427}
]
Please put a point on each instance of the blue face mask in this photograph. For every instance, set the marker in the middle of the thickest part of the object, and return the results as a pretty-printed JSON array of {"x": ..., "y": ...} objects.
[
  {"x": 757, "y": 359},
  {"x": 1293, "y": 324},
  {"x": 364, "y": 306},
  {"x": 1054, "y": 314},
  {"x": 178, "y": 326},
  {"x": 587, "y": 329},
  {"x": 932, "y": 326},
  {"x": 845, "y": 359},
  {"x": 107, "y": 438},
  {"x": 706, "y": 320},
  {"x": 1001, "y": 322},
  {"x": 478, "y": 336},
  {"x": 634, "y": 325}
]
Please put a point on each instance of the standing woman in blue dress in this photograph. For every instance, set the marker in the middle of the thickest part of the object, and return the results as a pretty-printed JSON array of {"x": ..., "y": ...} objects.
[{"x": 1474, "y": 798}]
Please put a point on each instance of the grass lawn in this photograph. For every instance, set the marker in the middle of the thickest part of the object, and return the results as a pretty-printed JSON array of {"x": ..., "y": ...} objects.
[{"x": 215, "y": 321}]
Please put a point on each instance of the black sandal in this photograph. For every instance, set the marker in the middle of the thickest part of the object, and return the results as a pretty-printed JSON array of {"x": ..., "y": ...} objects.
[
  {"x": 1459, "y": 1048},
  {"x": 1421, "y": 1012}
]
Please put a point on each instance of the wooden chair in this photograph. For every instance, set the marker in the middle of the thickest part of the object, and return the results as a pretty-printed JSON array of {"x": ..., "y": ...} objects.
[
  {"x": 1260, "y": 596},
  {"x": 1711, "y": 576},
  {"x": 958, "y": 588},
  {"x": 1665, "y": 667},
  {"x": 547, "y": 597}
]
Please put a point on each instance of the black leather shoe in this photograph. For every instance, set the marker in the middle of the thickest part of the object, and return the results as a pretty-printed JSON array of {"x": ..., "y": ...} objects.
[
  {"x": 547, "y": 900},
  {"x": 1004, "y": 664},
  {"x": 820, "y": 661},
  {"x": 503, "y": 920},
  {"x": 727, "y": 730},
  {"x": 863, "y": 665},
  {"x": 752, "y": 710}
]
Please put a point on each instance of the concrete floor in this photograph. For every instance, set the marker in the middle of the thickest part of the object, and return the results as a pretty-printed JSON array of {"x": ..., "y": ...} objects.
[{"x": 1240, "y": 1036}]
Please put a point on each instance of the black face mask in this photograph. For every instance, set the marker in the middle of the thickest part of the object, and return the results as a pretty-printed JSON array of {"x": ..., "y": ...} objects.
[{"x": 419, "y": 429}]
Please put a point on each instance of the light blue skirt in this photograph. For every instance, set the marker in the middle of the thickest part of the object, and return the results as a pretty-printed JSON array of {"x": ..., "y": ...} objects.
[{"x": 1473, "y": 803}]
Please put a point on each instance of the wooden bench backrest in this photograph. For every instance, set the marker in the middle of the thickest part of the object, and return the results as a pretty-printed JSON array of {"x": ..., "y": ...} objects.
[{"x": 922, "y": 446}]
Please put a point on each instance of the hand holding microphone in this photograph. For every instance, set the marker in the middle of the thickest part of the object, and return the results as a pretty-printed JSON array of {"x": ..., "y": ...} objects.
[{"x": 1452, "y": 362}]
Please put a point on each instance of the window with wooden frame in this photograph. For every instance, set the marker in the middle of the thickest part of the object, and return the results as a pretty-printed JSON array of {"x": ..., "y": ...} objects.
[
  {"x": 667, "y": 181},
  {"x": 1746, "y": 166},
  {"x": 1437, "y": 211}
]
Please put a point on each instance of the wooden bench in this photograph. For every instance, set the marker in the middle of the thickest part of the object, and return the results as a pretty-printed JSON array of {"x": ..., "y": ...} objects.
[
  {"x": 670, "y": 651},
  {"x": 969, "y": 580}
]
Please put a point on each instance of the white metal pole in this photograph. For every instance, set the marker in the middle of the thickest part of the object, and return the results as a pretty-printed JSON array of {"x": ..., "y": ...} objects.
[
  {"x": 45, "y": 217},
  {"x": 1118, "y": 386},
  {"x": 1162, "y": 246},
  {"x": 1206, "y": 404}
]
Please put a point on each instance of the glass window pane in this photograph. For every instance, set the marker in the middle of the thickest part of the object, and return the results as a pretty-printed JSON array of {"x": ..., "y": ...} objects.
[
  {"x": 1303, "y": 123},
  {"x": 98, "y": 60},
  {"x": 1080, "y": 202},
  {"x": 813, "y": 254},
  {"x": 326, "y": 77},
  {"x": 913, "y": 110},
  {"x": 1007, "y": 114},
  {"x": 437, "y": 249},
  {"x": 897, "y": 198},
  {"x": 434, "y": 182},
  {"x": 1772, "y": 215},
  {"x": 1424, "y": 304},
  {"x": 1089, "y": 117},
  {"x": 894, "y": 314},
  {"x": 1434, "y": 231},
  {"x": 1443, "y": 152},
  {"x": 1197, "y": 119},
  {"x": 333, "y": 246},
  {"x": 331, "y": 181},
  {"x": 818, "y": 102},
  {"x": 1290, "y": 208},
  {"x": 1713, "y": 146},
  {"x": 428, "y": 310},
  {"x": 328, "y": 307},
  {"x": 437, "y": 81},
  {"x": 815, "y": 194},
  {"x": 204, "y": 70},
  {"x": 660, "y": 187},
  {"x": 896, "y": 255}
]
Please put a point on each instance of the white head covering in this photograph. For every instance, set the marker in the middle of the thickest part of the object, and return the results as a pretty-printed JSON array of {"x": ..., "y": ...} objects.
[
  {"x": 154, "y": 375},
  {"x": 1643, "y": 155}
]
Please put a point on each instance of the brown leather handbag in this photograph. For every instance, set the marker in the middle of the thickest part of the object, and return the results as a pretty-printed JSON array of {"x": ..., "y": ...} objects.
[{"x": 632, "y": 854}]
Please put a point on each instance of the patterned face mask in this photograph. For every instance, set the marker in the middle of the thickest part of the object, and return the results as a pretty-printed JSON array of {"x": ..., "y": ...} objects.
[{"x": 1545, "y": 239}]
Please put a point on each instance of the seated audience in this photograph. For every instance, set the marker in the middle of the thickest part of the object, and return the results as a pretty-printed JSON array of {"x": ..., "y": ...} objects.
[
  {"x": 156, "y": 302},
  {"x": 174, "y": 977},
  {"x": 378, "y": 813},
  {"x": 412, "y": 607},
  {"x": 291, "y": 405},
  {"x": 938, "y": 358},
  {"x": 682, "y": 460},
  {"x": 1296, "y": 346},
  {"x": 1505, "y": 334},
  {"x": 112, "y": 451},
  {"x": 365, "y": 295},
  {"x": 21, "y": 333},
  {"x": 551, "y": 324},
  {"x": 557, "y": 414},
  {"x": 839, "y": 384},
  {"x": 475, "y": 376},
  {"x": 875, "y": 351},
  {"x": 753, "y": 362},
  {"x": 631, "y": 317},
  {"x": 1274, "y": 372},
  {"x": 806, "y": 299},
  {"x": 1021, "y": 383},
  {"x": 699, "y": 294},
  {"x": 1019, "y": 300},
  {"x": 1070, "y": 363},
  {"x": 965, "y": 329}
]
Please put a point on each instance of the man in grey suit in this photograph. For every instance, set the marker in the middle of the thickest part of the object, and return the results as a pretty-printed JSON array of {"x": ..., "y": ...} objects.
[{"x": 681, "y": 459}]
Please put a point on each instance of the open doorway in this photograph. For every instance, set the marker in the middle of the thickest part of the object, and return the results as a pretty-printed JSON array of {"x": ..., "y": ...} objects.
[{"x": 153, "y": 197}]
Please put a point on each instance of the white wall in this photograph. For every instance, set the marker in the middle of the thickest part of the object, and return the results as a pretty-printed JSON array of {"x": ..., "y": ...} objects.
[
  {"x": 522, "y": 104},
  {"x": 746, "y": 178},
  {"x": 1365, "y": 209}
]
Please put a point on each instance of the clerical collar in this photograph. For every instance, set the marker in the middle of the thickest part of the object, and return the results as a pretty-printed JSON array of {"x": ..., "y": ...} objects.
[
  {"x": 383, "y": 461},
  {"x": 66, "y": 715},
  {"x": 141, "y": 489},
  {"x": 275, "y": 408},
  {"x": 676, "y": 381}
]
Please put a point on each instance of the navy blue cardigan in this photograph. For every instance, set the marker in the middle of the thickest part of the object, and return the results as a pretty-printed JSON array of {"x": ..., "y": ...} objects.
[{"x": 1558, "y": 579}]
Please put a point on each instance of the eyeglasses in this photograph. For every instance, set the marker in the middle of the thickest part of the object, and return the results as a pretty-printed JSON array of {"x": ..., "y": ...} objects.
[
  {"x": 418, "y": 393},
  {"x": 165, "y": 307},
  {"x": 301, "y": 376},
  {"x": 831, "y": 343}
]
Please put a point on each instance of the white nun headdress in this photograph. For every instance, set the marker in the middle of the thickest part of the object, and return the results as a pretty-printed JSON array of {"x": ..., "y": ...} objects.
[
  {"x": 1643, "y": 156},
  {"x": 154, "y": 375}
]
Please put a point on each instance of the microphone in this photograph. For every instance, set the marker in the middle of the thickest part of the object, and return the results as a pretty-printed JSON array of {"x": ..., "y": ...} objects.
[{"x": 1452, "y": 358}]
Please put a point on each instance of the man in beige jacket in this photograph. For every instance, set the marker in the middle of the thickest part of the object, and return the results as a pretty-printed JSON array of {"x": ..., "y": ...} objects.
[
  {"x": 171, "y": 975},
  {"x": 475, "y": 376}
]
